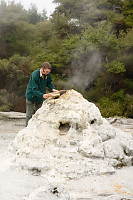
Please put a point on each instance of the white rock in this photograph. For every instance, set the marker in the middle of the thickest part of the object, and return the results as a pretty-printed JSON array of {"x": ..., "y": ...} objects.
[{"x": 68, "y": 138}]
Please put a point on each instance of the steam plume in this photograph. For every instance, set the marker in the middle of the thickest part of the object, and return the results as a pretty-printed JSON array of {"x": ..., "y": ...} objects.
[{"x": 84, "y": 69}]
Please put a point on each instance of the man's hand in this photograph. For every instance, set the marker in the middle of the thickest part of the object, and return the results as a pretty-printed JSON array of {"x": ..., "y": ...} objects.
[
  {"x": 45, "y": 96},
  {"x": 54, "y": 90}
]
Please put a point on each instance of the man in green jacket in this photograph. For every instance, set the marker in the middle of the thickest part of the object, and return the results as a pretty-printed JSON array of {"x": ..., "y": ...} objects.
[{"x": 36, "y": 89}]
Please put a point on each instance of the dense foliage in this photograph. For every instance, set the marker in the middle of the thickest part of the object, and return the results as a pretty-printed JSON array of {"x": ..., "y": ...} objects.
[{"x": 88, "y": 42}]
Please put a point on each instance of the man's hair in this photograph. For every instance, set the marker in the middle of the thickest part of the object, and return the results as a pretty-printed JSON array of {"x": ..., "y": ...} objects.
[{"x": 46, "y": 65}]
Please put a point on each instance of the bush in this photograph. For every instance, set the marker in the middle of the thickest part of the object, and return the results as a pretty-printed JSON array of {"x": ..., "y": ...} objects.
[
  {"x": 117, "y": 105},
  {"x": 109, "y": 108},
  {"x": 116, "y": 67},
  {"x": 6, "y": 101},
  {"x": 129, "y": 108},
  {"x": 128, "y": 84},
  {"x": 118, "y": 96}
]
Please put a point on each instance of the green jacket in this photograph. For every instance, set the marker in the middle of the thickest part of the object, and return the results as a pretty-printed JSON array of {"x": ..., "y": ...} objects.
[{"x": 37, "y": 86}]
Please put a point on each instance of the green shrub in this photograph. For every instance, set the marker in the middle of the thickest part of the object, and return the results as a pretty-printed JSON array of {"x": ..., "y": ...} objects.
[
  {"x": 108, "y": 108},
  {"x": 128, "y": 84},
  {"x": 129, "y": 108},
  {"x": 6, "y": 101},
  {"x": 116, "y": 67},
  {"x": 117, "y": 105},
  {"x": 118, "y": 96}
]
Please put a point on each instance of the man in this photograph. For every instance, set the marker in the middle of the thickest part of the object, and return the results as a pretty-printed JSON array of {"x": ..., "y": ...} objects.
[{"x": 36, "y": 89}]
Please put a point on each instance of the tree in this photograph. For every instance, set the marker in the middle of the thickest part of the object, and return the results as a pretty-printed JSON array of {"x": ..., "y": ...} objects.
[
  {"x": 33, "y": 16},
  {"x": 9, "y": 14},
  {"x": 14, "y": 75}
]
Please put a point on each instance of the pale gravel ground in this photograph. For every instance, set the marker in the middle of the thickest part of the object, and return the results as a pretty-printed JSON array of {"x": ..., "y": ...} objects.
[{"x": 16, "y": 184}]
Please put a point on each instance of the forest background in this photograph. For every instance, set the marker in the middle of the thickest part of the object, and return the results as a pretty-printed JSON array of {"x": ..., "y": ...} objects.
[{"x": 89, "y": 44}]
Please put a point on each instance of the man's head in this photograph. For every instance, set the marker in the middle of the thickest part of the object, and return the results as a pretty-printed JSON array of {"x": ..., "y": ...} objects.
[{"x": 46, "y": 68}]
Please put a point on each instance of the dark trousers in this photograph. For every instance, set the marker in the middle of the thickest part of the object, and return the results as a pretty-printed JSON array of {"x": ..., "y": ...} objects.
[{"x": 31, "y": 108}]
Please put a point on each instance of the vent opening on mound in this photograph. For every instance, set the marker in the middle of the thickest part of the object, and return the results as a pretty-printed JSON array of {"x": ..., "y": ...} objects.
[
  {"x": 55, "y": 191},
  {"x": 93, "y": 121},
  {"x": 64, "y": 127}
]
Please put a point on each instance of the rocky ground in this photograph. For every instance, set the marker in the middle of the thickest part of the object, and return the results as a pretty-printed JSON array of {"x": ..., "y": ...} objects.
[
  {"x": 125, "y": 124},
  {"x": 16, "y": 184}
]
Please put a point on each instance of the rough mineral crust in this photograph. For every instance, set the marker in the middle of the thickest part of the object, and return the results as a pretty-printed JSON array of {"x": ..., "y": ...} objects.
[{"x": 68, "y": 138}]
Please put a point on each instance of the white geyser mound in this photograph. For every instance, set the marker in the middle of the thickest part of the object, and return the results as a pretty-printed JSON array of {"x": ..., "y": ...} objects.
[{"x": 68, "y": 138}]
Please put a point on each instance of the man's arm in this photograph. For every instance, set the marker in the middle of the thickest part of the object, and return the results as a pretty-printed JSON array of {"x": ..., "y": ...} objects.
[
  {"x": 54, "y": 90},
  {"x": 35, "y": 90},
  {"x": 50, "y": 84}
]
